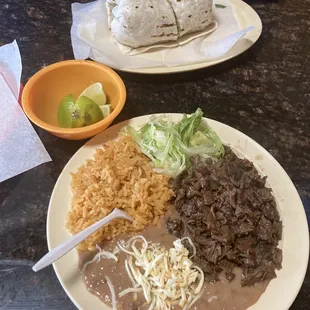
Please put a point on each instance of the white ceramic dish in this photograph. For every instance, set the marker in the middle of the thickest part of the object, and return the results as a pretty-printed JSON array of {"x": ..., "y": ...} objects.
[
  {"x": 281, "y": 291},
  {"x": 246, "y": 17}
]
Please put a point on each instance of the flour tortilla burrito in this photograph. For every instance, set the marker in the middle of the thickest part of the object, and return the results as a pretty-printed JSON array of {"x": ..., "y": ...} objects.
[
  {"x": 192, "y": 15},
  {"x": 142, "y": 22}
]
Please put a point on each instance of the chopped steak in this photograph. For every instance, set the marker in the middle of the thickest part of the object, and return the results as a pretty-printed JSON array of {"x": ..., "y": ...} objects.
[{"x": 231, "y": 217}]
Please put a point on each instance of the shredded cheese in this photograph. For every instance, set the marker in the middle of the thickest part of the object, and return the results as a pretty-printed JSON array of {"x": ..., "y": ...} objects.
[
  {"x": 101, "y": 254},
  {"x": 166, "y": 277},
  {"x": 113, "y": 295}
]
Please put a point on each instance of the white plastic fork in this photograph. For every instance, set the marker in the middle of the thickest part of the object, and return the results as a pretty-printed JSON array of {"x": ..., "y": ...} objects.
[{"x": 63, "y": 248}]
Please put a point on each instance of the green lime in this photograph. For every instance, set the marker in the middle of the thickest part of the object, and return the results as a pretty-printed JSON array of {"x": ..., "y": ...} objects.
[
  {"x": 106, "y": 110},
  {"x": 96, "y": 93},
  {"x": 65, "y": 110},
  {"x": 86, "y": 112}
]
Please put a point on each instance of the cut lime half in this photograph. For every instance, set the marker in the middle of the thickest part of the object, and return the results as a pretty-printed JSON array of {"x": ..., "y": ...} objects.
[
  {"x": 106, "y": 110},
  {"x": 86, "y": 112},
  {"x": 65, "y": 112},
  {"x": 96, "y": 93}
]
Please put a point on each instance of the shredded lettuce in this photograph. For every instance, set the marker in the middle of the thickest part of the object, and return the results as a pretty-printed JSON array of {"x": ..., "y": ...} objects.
[{"x": 170, "y": 145}]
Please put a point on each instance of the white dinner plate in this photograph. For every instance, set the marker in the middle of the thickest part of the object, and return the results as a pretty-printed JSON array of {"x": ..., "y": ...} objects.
[
  {"x": 246, "y": 17},
  {"x": 281, "y": 291}
]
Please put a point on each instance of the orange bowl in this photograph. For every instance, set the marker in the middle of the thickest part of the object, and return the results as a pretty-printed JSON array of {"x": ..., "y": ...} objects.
[{"x": 44, "y": 91}]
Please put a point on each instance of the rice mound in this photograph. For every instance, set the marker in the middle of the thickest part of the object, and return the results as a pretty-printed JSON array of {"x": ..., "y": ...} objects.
[{"x": 119, "y": 176}]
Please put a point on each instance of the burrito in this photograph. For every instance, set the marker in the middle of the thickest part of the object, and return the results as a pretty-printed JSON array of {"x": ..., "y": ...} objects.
[
  {"x": 137, "y": 23},
  {"x": 192, "y": 15}
]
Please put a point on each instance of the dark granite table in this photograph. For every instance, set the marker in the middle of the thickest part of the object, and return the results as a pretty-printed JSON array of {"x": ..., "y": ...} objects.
[{"x": 265, "y": 93}]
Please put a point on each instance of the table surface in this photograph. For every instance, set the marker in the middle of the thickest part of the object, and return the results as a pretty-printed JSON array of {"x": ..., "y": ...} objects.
[{"x": 264, "y": 93}]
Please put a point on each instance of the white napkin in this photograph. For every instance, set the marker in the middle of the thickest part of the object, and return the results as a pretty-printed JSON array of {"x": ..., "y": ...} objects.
[
  {"x": 91, "y": 38},
  {"x": 11, "y": 66},
  {"x": 20, "y": 146}
]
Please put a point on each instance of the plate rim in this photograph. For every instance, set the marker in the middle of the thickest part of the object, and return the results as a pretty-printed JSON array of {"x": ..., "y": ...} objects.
[
  {"x": 105, "y": 134},
  {"x": 239, "y": 8}
]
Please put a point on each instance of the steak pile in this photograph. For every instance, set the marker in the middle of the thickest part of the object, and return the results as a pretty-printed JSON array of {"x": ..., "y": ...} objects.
[{"x": 231, "y": 216}]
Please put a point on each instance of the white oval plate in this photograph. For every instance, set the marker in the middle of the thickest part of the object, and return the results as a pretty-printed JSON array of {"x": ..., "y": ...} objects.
[
  {"x": 246, "y": 17},
  {"x": 281, "y": 291}
]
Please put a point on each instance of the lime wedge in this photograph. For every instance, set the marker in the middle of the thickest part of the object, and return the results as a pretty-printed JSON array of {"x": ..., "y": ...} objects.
[
  {"x": 65, "y": 110},
  {"x": 96, "y": 93},
  {"x": 86, "y": 112},
  {"x": 106, "y": 110}
]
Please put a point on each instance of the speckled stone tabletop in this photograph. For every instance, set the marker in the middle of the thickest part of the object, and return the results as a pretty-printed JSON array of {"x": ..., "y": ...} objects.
[{"x": 265, "y": 93}]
